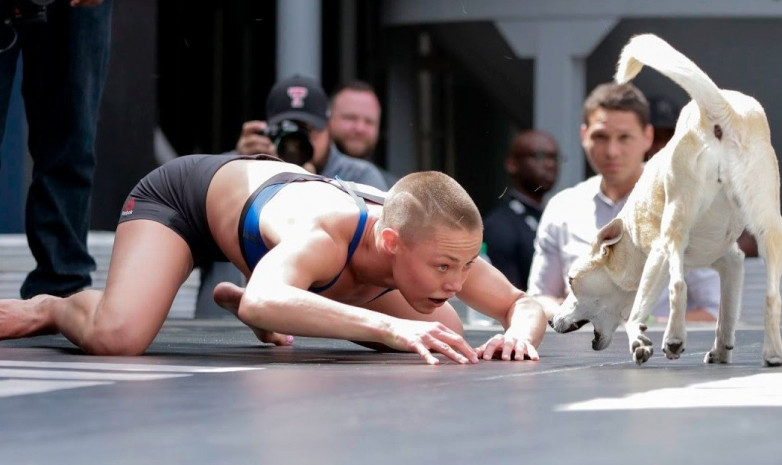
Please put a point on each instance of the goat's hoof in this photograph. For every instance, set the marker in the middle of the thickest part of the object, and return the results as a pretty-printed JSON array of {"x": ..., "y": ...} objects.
[
  {"x": 673, "y": 348},
  {"x": 642, "y": 349},
  {"x": 717, "y": 355}
]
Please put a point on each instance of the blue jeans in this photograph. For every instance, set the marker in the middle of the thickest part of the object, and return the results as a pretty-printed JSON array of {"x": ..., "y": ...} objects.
[{"x": 64, "y": 62}]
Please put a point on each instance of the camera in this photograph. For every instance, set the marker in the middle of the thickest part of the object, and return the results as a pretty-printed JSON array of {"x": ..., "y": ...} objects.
[
  {"x": 292, "y": 140},
  {"x": 19, "y": 13}
]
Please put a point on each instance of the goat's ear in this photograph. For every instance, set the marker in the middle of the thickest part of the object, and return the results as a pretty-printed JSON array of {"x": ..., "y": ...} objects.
[{"x": 610, "y": 234}]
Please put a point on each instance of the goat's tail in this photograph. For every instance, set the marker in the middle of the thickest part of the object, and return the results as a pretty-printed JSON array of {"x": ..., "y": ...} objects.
[{"x": 652, "y": 51}]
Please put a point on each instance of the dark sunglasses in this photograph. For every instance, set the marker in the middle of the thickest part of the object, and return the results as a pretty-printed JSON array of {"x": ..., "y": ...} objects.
[{"x": 541, "y": 155}]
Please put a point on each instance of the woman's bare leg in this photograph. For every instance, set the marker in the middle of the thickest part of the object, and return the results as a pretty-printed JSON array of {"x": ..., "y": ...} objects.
[
  {"x": 25, "y": 318},
  {"x": 149, "y": 263}
]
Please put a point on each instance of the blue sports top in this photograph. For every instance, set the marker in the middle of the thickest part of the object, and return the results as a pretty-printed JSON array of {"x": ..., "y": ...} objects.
[{"x": 250, "y": 241}]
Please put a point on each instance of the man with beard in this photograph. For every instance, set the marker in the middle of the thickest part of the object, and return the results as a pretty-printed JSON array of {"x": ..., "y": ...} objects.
[{"x": 354, "y": 122}]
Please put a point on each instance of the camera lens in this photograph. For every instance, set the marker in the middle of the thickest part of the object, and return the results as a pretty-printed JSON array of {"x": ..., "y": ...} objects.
[
  {"x": 292, "y": 140},
  {"x": 295, "y": 148}
]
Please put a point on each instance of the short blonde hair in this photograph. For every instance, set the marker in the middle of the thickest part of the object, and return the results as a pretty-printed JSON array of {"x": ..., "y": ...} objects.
[{"x": 421, "y": 201}]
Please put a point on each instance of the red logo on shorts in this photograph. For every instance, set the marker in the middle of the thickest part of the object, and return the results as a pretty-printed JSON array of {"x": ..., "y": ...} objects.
[{"x": 128, "y": 208}]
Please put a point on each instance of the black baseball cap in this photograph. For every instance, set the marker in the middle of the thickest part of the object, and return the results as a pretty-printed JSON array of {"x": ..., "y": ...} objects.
[
  {"x": 298, "y": 98},
  {"x": 663, "y": 112}
]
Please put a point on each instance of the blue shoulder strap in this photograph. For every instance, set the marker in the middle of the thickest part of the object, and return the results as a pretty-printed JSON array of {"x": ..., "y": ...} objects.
[
  {"x": 362, "y": 221},
  {"x": 252, "y": 245}
]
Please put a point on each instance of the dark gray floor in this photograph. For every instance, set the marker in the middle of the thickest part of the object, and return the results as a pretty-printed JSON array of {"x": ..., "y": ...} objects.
[{"x": 206, "y": 393}]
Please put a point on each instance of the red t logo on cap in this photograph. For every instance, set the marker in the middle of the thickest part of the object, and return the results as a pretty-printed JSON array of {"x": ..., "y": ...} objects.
[{"x": 297, "y": 95}]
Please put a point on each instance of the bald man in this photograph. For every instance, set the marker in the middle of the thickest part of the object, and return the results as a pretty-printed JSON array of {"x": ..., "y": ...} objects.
[{"x": 532, "y": 165}]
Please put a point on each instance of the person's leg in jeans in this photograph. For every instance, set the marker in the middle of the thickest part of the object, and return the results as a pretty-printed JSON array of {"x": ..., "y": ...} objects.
[
  {"x": 8, "y": 59},
  {"x": 65, "y": 62}
]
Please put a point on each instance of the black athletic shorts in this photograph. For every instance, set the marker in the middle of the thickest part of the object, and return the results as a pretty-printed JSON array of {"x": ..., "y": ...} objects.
[{"x": 174, "y": 195}]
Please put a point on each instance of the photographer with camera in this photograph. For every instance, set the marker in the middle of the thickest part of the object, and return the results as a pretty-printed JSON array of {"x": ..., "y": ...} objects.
[
  {"x": 65, "y": 50},
  {"x": 297, "y": 113}
]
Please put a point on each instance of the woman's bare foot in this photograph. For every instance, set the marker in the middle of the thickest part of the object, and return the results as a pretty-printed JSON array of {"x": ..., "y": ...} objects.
[
  {"x": 25, "y": 318},
  {"x": 228, "y": 296},
  {"x": 272, "y": 337}
]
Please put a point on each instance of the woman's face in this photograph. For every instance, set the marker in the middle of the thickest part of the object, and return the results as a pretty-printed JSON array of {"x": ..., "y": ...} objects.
[{"x": 431, "y": 270}]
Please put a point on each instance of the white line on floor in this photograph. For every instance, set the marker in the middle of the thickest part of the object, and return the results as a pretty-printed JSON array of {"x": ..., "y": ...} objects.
[
  {"x": 124, "y": 367},
  {"x": 84, "y": 375},
  {"x": 21, "y": 387},
  {"x": 35, "y": 377}
]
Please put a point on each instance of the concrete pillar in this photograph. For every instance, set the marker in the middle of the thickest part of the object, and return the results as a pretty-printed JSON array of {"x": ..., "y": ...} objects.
[
  {"x": 298, "y": 38},
  {"x": 560, "y": 49}
]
